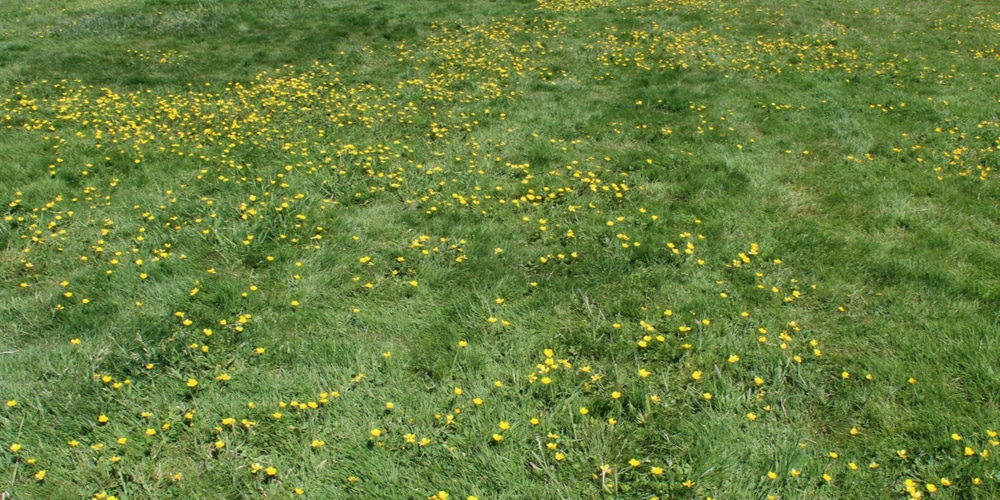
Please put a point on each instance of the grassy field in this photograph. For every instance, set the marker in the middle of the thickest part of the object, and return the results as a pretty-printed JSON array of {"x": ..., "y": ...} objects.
[{"x": 535, "y": 249}]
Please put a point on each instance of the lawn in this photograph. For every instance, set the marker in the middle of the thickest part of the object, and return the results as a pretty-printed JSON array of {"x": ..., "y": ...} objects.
[{"x": 528, "y": 249}]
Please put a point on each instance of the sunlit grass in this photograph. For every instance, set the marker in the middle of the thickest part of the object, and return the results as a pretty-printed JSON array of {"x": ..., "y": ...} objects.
[{"x": 616, "y": 248}]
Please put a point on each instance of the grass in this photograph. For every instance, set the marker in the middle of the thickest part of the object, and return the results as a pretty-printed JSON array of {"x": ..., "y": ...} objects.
[{"x": 571, "y": 248}]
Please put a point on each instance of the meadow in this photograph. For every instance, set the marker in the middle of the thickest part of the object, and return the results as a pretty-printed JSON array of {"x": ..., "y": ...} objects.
[{"x": 483, "y": 250}]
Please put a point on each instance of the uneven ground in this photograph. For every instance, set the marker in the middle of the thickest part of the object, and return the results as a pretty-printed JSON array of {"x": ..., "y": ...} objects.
[{"x": 553, "y": 249}]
